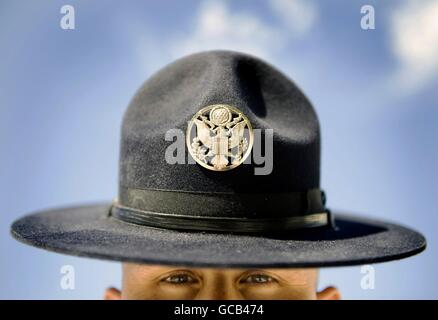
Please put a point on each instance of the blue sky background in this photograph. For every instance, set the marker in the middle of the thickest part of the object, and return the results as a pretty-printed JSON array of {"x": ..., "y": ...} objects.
[{"x": 63, "y": 93}]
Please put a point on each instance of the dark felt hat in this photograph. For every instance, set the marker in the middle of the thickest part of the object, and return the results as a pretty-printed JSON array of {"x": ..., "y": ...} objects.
[{"x": 214, "y": 205}]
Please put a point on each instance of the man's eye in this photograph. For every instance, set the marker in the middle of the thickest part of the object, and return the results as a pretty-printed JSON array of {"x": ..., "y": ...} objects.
[
  {"x": 257, "y": 279},
  {"x": 180, "y": 279}
]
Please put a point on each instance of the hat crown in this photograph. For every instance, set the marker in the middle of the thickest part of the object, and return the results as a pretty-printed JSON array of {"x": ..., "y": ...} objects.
[{"x": 170, "y": 98}]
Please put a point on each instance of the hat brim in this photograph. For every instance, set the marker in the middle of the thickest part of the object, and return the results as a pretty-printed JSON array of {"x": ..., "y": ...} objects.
[{"x": 89, "y": 231}]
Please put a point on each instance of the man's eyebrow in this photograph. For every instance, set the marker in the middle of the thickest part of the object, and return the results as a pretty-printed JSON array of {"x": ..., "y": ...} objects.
[
  {"x": 148, "y": 269},
  {"x": 297, "y": 277}
]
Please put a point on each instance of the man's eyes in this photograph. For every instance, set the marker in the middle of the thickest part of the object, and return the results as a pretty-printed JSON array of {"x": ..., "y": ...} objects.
[
  {"x": 257, "y": 279},
  {"x": 180, "y": 278}
]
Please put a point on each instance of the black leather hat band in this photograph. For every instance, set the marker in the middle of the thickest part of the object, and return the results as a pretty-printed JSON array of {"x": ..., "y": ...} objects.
[
  {"x": 218, "y": 224},
  {"x": 220, "y": 204},
  {"x": 222, "y": 212}
]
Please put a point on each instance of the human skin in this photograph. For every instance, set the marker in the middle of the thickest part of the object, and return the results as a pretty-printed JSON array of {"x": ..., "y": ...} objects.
[{"x": 152, "y": 282}]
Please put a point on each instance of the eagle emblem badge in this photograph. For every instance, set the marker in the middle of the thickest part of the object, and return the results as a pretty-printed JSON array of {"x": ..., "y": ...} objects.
[{"x": 219, "y": 137}]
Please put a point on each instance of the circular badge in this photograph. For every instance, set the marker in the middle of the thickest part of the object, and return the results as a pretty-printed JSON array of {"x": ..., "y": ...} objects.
[{"x": 219, "y": 137}]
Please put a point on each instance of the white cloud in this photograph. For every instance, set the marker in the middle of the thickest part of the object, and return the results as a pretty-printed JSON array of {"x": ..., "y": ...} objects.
[
  {"x": 217, "y": 27},
  {"x": 298, "y": 15},
  {"x": 414, "y": 28}
]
